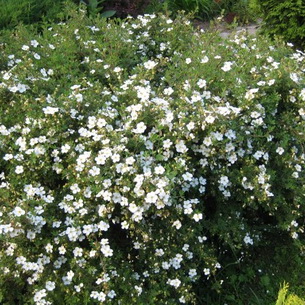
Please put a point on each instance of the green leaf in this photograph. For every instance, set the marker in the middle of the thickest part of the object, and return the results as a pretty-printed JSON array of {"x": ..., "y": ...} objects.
[
  {"x": 108, "y": 14},
  {"x": 172, "y": 174},
  {"x": 159, "y": 157}
]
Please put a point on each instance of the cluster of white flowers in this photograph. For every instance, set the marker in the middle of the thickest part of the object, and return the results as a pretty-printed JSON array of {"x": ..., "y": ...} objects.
[{"x": 116, "y": 170}]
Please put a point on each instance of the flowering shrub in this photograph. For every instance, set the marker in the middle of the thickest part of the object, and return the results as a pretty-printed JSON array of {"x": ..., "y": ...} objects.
[{"x": 145, "y": 163}]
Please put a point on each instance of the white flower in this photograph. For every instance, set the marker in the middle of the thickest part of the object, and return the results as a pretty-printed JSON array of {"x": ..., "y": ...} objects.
[
  {"x": 250, "y": 94},
  {"x": 62, "y": 250},
  {"x": 280, "y": 150},
  {"x": 210, "y": 119},
  {"x": 224, "y": 180},
  {"x": 50, "y": 285},
  {"x": 182, "y": 300},
  {"x": 50, "y": 110},
  {"x": 294, "y": 77},
  {"x": 130, "y": 160},
  {"x": 175, "y": 282},
  {"x": 248, "y": 239},
  {"x": 150, "y": 64},
  {"x": 70, "y": 275},
  {"x": 34, "y": 43},
  {"x": 79, "y": 97},
  {"x": 94, "y": 171},
  {"x": 227, "y": 66},
  {"x": 140, "y": 128},
  {"x": 117, "y": 69},
  {"x": 39, "y": 295},
  {"x": 181, "y": 147},
  {"x": 159, "y": 170},
  {"x": 192, "y": 273},
  {"x": 31, "y": 235},
  {"x": 103, "y": 226},
  {"x": 201, "y": 83},
  {"x": 151, "y": 197},
  {"x": 204, "y": 60},
  {"x": 197, "y": 217},
  {"x": 159, "y": 252},
  {"x": 167, "y": 144},
  {"x": 74, "y": 188},
  {"x": 302, "y": 95},
  {"x": 188, "y": 61},
  {"x": 206, "y": 271},
  {"x": 187, "y": 207},
  {"x": 187, "y": 176},
  {"x": 78, "y": 252},
  {"x": 111, "y": 294},
  {"x": 49, "y": 248},
  {"x": 168, "y": 91},
  {"x": 18, "y": 211},
  {"x": 37, "y": 56},
  {"x": 177, "y": 224},
  {"x": 20, "y": 88},
  {"x": 65, "y": 148},
  {"x": 190, "y": 126},
  {"x": 106, "y": 250},
  {"x": 19, "y": 169}
]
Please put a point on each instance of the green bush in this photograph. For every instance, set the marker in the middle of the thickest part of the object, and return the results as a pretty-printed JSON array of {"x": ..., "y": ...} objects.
[
  {"x": 285, "y": 18},
  {"x": 244, "y": 10},
  {"x": 203, "y": 9},
  {"x": 14, "y": 12},
  {"x": 145, "y": 163},
  {"x": 288, "y": 299}
]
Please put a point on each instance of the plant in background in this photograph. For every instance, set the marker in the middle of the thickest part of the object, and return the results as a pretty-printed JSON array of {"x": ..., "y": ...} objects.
[
  {"x": 284, "y": 18},
  {"x": 14, "y": 12},
  {"x": 143, "y": 162},
  {"x": 95, "y": 7},
  {"x": 202, "y": 9},
  {"x": 246, "y": 11},
  {"x": 291, "y": 299}
]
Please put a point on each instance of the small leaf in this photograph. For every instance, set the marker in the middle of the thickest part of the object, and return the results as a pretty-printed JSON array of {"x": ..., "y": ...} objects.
[
  {"x": 93, "y": 4},
  {"x": 159, "y": 157},
  {"x": 108, "y": 14}
]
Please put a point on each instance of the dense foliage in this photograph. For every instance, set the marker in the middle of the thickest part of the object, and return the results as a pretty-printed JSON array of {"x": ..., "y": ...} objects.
[
  {"x": 285, "y": 298},
  {"x": 14, "y": 12},
  {"x": 145, "y": 163},
  {"x": 285, "y": 18},
  {"x": 243, "y": 11}
]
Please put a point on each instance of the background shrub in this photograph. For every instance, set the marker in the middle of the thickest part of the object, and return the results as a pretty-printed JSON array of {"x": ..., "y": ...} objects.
[
  {"x": 243, "y": 10},
  {"x": 204, "y": 9},
  {"x": 288, "y": 299},
  {"x": 145, "y": 163},
  {"x": 285, "y": 18},
  {"x": 14, "y": 12}
]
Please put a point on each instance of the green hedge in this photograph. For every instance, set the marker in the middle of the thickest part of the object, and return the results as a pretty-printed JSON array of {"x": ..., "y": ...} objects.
[
  {"x": 285, "y": 18},
  {"x": 14, "y": 12},
  {"x": 145, "y": 163}
]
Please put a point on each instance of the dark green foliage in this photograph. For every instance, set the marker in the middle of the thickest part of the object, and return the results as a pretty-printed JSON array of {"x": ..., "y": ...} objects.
[
  {"x": 204, "y": 9},
  {"x": 14, "y": 12},
  {"x": 243, "y": 10},
  {"x": 285, "y": 18}
]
